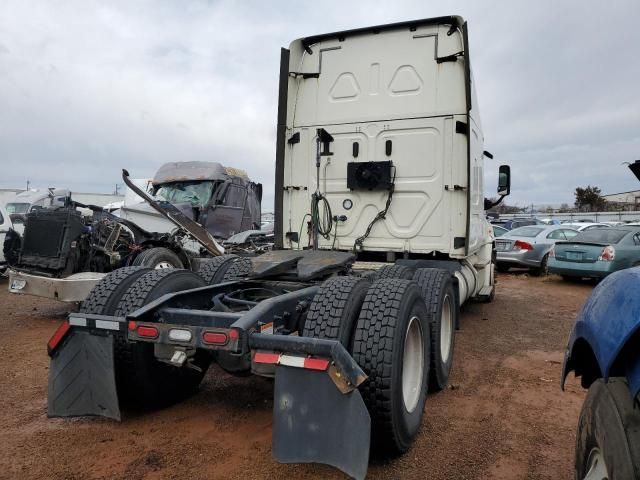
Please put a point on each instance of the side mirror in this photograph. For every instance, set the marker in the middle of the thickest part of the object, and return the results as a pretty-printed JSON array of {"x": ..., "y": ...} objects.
[{"x": 504, "y": 180}]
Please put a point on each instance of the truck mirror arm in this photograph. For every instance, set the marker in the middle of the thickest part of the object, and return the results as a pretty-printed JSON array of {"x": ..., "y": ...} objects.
[{"x": 489, "y": 204}]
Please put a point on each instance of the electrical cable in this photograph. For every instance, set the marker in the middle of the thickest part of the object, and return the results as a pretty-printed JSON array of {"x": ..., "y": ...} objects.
[
  {"x": 323, "y": 223},
  {"x": 380, "y": 216}
]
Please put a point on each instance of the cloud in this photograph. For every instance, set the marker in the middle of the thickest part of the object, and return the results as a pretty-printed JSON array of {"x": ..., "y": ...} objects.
[{"x": 90, "y": 87}]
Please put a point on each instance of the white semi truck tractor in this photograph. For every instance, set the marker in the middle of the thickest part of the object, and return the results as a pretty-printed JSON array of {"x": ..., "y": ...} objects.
[{"x": 380, "y": 236}]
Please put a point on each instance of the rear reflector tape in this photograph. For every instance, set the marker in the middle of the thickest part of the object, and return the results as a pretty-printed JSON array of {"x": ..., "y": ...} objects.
[
  {"x": 316, "y": 364},
  {"x": 58, "y": 335},
  {"x": 320, "y": 364},
  {"x": 264, "y": 357},
  {"x": 107, "y": 325},
  {"x": 291, "y": 361},
  {"x": 78, "y": 321}
]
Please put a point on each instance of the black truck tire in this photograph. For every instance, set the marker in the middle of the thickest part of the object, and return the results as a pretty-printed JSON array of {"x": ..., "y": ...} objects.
[
  {"x": 158, "y": 258},
  {"x": 242, "y": 267},
  {"x": 394, "y": 271},
  {"x": 391, "y": 344},
  {"x": 608, "y": 435},
  {"x": 104, "y": 297},
  {"x": 438, "y": 292},
  {"x": 225, "y": 268},
  {"x": 335, "y": 309},
  {"x": 142, "y": 380}
]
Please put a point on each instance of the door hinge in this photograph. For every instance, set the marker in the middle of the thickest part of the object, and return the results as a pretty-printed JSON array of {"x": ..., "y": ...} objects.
[{"x": 293, "y": 187}]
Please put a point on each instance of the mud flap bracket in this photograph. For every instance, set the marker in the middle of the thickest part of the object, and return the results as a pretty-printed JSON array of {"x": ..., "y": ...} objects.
[{"x": 313, "y": 422}]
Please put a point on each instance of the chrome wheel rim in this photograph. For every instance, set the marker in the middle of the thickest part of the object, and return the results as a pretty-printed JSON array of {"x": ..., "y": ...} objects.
[
  {"x": 446, "y": 329},
  {"x": 412, "y": 364},
  {"x": 162, "y": 265},
  {"x": 597, "y": 468}
]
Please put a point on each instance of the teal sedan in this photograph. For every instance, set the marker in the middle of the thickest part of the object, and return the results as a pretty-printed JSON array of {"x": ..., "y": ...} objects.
[{"x": 596, "y": 253}]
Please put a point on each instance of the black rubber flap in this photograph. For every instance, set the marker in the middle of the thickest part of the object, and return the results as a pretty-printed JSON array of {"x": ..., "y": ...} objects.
[
  {"x": 82, "y": 378},
  {"x": 314, "y": 423},
  {"x": 316, "y": 263},
  {"x": 275, "y": 262}
]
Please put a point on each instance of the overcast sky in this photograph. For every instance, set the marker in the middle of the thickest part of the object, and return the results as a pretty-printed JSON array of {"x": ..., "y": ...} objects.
[{"x": 90, "y": 87}]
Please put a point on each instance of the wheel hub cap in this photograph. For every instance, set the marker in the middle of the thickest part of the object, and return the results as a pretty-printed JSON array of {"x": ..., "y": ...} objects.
[
  {"x": 597, "y": 468},
  {"x": 446, "y": 329},
  {"x": 412, "y": 364}
]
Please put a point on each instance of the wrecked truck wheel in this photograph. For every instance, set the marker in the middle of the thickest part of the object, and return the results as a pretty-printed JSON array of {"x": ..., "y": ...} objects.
[
  {"x": 439, "y": 295},
  {"x": 104, "y": 297},
  {"x": 335, "y": 309},
  {"x": 142, "y": 380},
  {"x": 391, "y": 344},
  {"x": 158, "y": 258},
  {"x": 225, "y": 268},
  {"x": 608, "y": 438}
]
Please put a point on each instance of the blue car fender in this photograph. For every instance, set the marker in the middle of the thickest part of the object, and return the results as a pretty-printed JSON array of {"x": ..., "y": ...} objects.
[{"x": 605, "y": 340}]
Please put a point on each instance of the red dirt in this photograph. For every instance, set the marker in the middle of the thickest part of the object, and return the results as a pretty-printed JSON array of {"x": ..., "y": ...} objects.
[{"x": 504, "y": 416}]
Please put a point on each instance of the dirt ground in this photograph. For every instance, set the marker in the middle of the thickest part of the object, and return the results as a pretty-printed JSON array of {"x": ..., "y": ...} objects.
[{"x": 504, "y": 416}]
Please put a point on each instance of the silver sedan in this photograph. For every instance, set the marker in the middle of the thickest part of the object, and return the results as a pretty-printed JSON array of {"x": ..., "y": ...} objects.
[{"x": 529, "y": 247}]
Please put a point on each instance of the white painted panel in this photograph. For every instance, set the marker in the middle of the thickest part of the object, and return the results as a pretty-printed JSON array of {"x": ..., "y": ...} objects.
[{"x": 380, "y": 77}]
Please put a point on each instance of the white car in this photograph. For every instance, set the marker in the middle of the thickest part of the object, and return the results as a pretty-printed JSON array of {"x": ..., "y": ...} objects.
[
  {"x": 5, "y": 226},
  {"x": 582, "y": 226}
]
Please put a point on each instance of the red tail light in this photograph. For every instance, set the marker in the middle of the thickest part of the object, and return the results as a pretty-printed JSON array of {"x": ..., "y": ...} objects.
[
  {"x": 608, "y": 254},
  {"x": 215, "y": 338},
  {"x": 58, "y": 335},
  {"x": 147, "y": 332},
  {"x": 552, "y": 252},
  {"x": 520, "y": 245}
]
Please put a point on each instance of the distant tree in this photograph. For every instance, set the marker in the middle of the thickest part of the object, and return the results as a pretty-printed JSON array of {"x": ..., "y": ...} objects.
[
  {"x": 564, "y": 208},
  {"x": 589, "y": 198}
]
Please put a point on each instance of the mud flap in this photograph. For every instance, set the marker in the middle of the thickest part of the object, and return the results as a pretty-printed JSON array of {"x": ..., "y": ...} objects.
[
  {"x": 82, "y": 378},
  {"x": 314, "y": 423}
]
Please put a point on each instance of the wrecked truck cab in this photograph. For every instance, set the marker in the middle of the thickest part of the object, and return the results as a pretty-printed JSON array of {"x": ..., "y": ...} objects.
[
  {"x": 60, "y": 247},
  {"x": 221, "y": 199}
]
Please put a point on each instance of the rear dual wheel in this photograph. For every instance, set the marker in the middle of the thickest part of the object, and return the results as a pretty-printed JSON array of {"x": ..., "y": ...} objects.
[
  {"x": 391, "y": 344},
  {"x": 440, "y": 297},
  {"x": 384, "y": 326},
  {"x": 140, "y": 378},
  {"x": 439, "y": 294}
]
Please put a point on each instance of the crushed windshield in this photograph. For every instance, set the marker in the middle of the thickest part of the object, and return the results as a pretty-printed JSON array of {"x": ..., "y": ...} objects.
[
  {"x": 17, "y": 207},
  {"x": 196, "y": 193}
]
